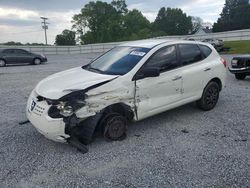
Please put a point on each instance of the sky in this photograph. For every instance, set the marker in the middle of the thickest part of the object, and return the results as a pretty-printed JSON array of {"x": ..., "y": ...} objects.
[{"x": 20, "y": 19}]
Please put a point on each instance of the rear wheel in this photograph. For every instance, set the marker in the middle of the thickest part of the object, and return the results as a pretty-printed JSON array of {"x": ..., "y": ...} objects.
[
  {"x": 115, "y": 127},
  {"x": 2, "y": 63},
  {"x": 240, "y": 76},
  {"x": 209, "y": 97},
  {"x": 37, "y": 61}
]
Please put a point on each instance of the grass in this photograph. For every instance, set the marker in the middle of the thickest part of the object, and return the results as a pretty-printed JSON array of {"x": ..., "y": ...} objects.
[{"x": 238, "y": 47}]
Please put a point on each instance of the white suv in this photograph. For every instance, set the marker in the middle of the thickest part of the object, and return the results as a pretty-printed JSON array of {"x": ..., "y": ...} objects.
[{"x": 130, "y": 82}]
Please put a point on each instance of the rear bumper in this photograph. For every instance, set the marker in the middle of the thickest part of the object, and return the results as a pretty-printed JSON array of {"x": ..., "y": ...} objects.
[{"x": 244, "y": 70}]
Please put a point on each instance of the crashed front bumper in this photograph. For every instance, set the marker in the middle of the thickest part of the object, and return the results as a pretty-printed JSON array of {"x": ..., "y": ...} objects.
[{"x": 37, "y": 114}]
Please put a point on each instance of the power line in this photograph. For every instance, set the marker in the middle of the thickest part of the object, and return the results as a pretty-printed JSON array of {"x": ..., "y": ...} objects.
[{"x": 45, "y": 27}]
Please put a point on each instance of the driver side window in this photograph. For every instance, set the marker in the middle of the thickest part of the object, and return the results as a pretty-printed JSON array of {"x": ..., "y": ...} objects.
[{"x": 165, "y": 59}]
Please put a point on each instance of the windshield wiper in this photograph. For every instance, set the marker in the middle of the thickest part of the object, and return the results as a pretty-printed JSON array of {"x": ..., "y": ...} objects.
[{"x": 95, "y": 69}]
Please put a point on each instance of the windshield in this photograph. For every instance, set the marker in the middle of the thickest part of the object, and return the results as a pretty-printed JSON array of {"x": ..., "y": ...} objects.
[{"x": 118, "y": 61}]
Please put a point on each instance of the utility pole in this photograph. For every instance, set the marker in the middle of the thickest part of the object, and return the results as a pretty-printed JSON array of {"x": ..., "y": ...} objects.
[{"x": 45, "y": 27}]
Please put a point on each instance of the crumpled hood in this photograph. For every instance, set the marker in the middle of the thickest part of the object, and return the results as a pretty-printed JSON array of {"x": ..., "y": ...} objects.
[{"x": 62, "y": 83}]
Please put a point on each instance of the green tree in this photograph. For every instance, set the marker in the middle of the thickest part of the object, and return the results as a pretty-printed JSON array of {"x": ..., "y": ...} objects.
[
  {"x": 120, "y": 6},
  {"x": 173, "y": 21},
  {"x": 103, "y": 21},
  {"x": 235, "y": 15},
  {"x": 66, "y": 38},
  {"x": 12, "y": 43},
  {"x": 136, "y": 26}
]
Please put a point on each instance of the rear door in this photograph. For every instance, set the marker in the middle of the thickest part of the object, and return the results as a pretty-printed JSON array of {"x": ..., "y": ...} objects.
[
  {"x": 157, "y": 94},
  {"x": 195, "y": 70},
  {"x": 9, "y": 55}
]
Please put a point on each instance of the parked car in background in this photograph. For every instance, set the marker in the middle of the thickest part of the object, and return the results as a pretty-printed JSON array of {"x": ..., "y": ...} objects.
[
  {"x": 240, "y": 66},
  {"x": 19, "y": 56},
  {"x": 216, "y": 43},
  {"x": 190, "y": 39},
  {"x": 130, "y": 82}
]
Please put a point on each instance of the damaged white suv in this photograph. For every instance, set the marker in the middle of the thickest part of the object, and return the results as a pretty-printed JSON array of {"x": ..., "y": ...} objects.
[{"x": 130, "y": 82}]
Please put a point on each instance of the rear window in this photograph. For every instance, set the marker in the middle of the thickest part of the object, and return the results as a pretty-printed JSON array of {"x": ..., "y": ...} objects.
[
  {"x": 190, "y": 53},
  {"x": 205, "y": 50}
]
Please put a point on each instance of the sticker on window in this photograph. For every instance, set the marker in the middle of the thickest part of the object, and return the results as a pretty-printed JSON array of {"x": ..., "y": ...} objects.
[{"x": 137, "y": 53}]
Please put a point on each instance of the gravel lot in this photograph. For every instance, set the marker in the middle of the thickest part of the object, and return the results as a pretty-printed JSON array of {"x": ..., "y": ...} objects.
[{"x": 212, "y": 151}]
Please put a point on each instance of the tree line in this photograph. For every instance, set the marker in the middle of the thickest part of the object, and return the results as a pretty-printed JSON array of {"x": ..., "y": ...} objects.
[
  {"x": 100, "y": 22},
  {"x": 235, "y": 16}
]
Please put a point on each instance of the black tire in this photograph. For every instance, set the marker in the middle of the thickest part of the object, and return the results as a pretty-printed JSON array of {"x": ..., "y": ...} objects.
[
  {"x": 114, "y": 127},
  {"x": 209, "y": 97},
  {"x": 2, "y": 63},
  {"x": 240, "y": 76},
  {"x": 37, "y": 61}
]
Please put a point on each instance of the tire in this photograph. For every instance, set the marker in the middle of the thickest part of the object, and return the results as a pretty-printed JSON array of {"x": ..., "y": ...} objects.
[
  {"x": 240, "y": 76},
  {"x": 37, "y": 61},
  {"x": 2, "y": 63},
  {"x": 209, "y": 97},
  {"x": 114, "y": 127}
]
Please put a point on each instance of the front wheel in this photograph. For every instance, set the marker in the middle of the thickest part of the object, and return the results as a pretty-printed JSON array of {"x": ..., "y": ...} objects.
[
  {"x": 2, "y": 63},
  {"x": 240, "y": 76},
  {"x": 115, "y": 127},
  {"x": 209, "y": 97},
  {"x": 37, "y": 61}
]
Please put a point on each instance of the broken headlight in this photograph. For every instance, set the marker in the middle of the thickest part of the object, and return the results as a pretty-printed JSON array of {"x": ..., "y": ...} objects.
[
  {"x": 67, "y": 105},
  {"x": 65, "y": 110}
]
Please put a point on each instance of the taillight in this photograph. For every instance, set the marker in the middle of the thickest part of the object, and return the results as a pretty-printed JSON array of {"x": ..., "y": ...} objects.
[{"x": 224, "y": 62}]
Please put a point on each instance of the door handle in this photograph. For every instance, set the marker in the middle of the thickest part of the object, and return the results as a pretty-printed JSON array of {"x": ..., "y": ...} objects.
[
  {"x": 177, "y": 78},
  {"x": 207, "y": 69}
]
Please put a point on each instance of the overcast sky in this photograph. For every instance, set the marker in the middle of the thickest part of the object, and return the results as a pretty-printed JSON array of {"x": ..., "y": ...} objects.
[{"x": 20, "y": 19}]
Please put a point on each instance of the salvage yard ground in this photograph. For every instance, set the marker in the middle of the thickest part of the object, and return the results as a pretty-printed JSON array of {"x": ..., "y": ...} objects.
[{"x": 184, "y": 147}]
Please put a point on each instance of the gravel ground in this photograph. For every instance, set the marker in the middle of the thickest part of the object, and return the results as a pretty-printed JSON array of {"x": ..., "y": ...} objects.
[{"x": 184, "y": 147}]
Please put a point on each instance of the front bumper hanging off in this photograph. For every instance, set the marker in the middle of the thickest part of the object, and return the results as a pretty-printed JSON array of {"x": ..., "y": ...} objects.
[{"x": 37, "y": 114}]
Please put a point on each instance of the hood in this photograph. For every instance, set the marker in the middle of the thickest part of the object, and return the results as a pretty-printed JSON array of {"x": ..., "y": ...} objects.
[{"x": 63, "y": 83}]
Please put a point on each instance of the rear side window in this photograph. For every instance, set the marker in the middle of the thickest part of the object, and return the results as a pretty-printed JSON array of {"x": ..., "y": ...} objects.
[
  {"x": 9, "y": 51},
  {"x": 190, "y": 53},
  {"x": 164, "y": 59},
  {"x": 205, "y": 50}
]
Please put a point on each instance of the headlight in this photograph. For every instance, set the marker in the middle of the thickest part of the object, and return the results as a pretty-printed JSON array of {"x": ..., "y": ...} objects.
[
  {"x": 43, "y": 55},
  {"x": 234, "y": 62},
  {"x": 65, "y": 110},
  {"x": 67, "y": 105}
]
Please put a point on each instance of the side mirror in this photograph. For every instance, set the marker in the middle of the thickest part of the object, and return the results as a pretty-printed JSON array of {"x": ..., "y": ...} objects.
[{"x": 147, "y": 72}]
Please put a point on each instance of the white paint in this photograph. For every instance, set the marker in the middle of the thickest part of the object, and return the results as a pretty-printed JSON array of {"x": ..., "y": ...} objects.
[
  {"x": 60, "y": 84},
  {"x": 153, "y": 95}
]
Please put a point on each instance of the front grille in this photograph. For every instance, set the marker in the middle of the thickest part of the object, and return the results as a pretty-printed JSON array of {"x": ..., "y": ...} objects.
[
  {"x": 240, "y": 63},
  {"x": 248, "y": 63},
  {"x": 38, "y": 110}
]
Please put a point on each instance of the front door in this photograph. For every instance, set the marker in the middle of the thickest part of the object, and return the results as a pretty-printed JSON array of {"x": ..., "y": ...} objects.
[
  {"x": 157, "y": 94},
  {"x": 22, "y": 56}
]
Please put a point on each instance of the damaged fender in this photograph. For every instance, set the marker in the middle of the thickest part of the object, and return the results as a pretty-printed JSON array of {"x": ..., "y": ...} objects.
[{"x": 100, "y": 99}]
